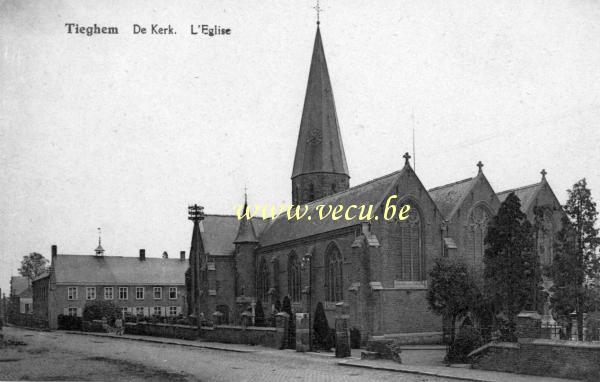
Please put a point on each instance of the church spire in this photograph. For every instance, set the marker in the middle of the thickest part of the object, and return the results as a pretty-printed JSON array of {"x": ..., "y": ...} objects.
[
  {"x": 320, "y": 167},
  {"x": 246, "y": 233}
]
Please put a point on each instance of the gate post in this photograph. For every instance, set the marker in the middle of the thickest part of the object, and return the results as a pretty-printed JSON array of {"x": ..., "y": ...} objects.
[{"x": 342, "y": 336}]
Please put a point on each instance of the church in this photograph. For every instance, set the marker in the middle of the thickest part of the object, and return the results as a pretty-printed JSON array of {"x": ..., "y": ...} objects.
[{"x": 379, "y": 268}]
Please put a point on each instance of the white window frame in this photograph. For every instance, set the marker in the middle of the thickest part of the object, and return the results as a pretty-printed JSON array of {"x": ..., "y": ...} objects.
[
  {"x": 155, "y": 309},
  {"x": 171, "y": 289},
  {"x": 139, "y": 310},
  {"x": 88, "y": 295},
  {"x": 126, "y": 289},
  {"x": 72, "y": 293},
  {"x": 157, "y": 289},
  {"x": 124, "y": 311},
  {"x": 137, "y": 289},
  {"x": 112, "y": 293},
  {"x": 172, "y": 311},
  {"x": 72, "y": 309}
]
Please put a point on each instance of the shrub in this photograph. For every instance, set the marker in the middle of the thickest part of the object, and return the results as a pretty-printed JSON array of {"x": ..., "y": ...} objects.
[
  {"x": 321, "y": 329},
  {"x": 355, "y": 338},
  {"x": 98, "y": 309},
  {"x": 67, "y": 322},
  {"x": 467, "y": 340},
  {"x": 259, "y": 314}
]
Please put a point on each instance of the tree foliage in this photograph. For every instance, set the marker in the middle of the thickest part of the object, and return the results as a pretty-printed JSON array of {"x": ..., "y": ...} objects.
[
  {"x": 452, "y": 292},
  {"x": 575, "y": 260},
  {"x": 33, "y": 265},
  {"x": 511, "y": 276}
]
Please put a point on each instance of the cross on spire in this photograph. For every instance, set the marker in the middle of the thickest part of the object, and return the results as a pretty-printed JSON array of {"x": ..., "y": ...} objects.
[
  {"x": 319, "y": 10},
  {"x": 543, "y": 172},
  {"x": 406, "y": 157},
  {"x": 196, "y": 213},
  {"x": 480, "y": 165}
]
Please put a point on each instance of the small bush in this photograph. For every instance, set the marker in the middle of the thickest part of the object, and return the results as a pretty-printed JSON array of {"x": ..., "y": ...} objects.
[
  {"x": 321, "y": 329},
  {"x": 467, "y": 340},
  {"x": 99, "y": 309},
  {"x": 66, "y": 322},
  {"x": 259, "y": 314},
  {"x": 355, "y": 338}
]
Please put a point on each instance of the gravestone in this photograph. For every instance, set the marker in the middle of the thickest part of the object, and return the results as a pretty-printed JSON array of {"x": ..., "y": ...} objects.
[{"x": 282, "y": 327}]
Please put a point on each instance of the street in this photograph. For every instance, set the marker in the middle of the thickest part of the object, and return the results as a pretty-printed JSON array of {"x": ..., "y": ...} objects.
[{"x": 60, "y": 355}]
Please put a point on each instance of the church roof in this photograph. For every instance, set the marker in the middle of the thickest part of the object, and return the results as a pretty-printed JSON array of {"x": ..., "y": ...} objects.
[
  {"x": 282, "y": 229},
  {"x": 526, "y": 194},
  {"x": 319, "y": 147},
  {"x": 118, "y": 270},
  {"x": 448, "y": 197},
  {"x": 220, "y": 231}
]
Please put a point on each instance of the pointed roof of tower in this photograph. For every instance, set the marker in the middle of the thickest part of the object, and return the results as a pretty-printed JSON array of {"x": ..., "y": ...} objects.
[
  {"x": 319, "y": 147},
  {"x": 245, "y": 232}
]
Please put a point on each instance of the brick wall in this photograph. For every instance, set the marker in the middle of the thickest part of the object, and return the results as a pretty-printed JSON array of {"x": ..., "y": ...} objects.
[
  {"x": 550, "y": 358},
  {"x": 250, "y": 335}
]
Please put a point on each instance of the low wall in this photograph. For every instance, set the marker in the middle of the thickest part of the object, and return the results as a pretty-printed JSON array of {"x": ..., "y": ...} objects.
[
  {"x": 27, "y": 320},
  {"x": 549, "y": 358},
  {"x": 162, "y": 330},
  {"x": 250, "y": 335}
]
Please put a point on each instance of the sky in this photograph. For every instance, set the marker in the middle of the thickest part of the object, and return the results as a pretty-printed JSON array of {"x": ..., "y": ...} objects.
[{"x": 124, "y": 131}]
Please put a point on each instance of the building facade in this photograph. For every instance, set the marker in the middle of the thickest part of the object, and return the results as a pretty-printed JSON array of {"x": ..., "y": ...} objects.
[
  {"x": 136, "y": 285},
  {"x": 378, "y": 266}
]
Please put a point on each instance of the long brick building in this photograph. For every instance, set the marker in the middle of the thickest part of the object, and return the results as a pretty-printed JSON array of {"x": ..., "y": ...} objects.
[
  {"x": 136, "y": 285},
  {"x": 378, "y": 267}
]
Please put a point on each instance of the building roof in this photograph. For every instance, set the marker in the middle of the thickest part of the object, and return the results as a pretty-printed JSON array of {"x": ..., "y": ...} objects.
[
  {"x": 526, "y": 194},
  {"x": 282, "y": 229},
  {"x": 246, "y": 233},
  {"x": 18, "y": 285},
  {"x": 118, "y": 270},
  {"x": 319, "y": 147},
  {"x": 219, "y": 233},
  {"x": 449, "y": 197}
]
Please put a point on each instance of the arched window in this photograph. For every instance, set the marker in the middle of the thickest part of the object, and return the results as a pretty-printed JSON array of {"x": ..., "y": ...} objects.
[
  {"x": 476, "y": 231},
  {"x": 333, "y": 274},
  {"x": 294, "y": 282},
  {"x": 411, "y": 251},
  {"x": 333, "y": 188},
  {"x": 311, "y": 192},
  {"x": 545, "y": 238},
  {"x": 263, "y": 281}
]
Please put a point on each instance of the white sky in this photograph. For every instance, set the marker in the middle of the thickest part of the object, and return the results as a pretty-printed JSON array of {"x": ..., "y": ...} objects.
[{"x": 122, "y": 132}]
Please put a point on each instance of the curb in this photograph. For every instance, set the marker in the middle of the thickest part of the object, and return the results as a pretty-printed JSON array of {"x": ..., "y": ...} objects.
[
  {"x": 196, "y": 345},
  {"x": 418, "y": 372}
]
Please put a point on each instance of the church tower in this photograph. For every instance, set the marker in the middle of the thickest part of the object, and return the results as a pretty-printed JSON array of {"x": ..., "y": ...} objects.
[{"x": 320, "y": 167}]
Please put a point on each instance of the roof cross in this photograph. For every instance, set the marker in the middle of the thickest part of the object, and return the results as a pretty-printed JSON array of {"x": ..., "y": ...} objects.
[
  {"x": 480, "y": 165},
  {"x": 543, "y": 172},
  {"x": 406, "y": 157},
  {"x": 319, "y": 10}
]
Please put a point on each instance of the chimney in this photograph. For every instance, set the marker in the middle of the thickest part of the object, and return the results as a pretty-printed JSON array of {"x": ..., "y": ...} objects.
[
  {"x": 54, "y": 252},
  {"x": 165, "y": 255},
  {"x": 182, "y": 255},
  {"x": 142, "y": 254}
]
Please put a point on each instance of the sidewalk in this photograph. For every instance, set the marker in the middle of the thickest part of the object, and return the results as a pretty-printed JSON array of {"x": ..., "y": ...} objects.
[{"x": 464, "y": 374}]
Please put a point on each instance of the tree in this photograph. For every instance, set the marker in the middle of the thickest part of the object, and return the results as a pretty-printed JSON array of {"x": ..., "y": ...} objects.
[
  {"x": 511, "y": 278},
  {"x": 259, "y": 314},
  {"x": 575, "y": 261},
  {"x": 321, "y": 328},
  {"x": 452, "y": 291},
  {"x": 33, "y": 265}
]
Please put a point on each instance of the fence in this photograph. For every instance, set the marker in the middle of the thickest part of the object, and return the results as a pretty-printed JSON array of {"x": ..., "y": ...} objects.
[{"x": 27, "y": 320}]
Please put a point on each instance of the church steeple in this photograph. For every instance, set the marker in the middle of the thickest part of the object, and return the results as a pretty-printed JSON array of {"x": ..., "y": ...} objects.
[
  {"x": 246, "y": 233},
  {"x": 320, "y": 167}
]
